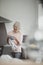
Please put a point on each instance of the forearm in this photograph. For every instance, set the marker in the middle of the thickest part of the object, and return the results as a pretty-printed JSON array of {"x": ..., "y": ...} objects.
[{"x": 16, "y": 41}]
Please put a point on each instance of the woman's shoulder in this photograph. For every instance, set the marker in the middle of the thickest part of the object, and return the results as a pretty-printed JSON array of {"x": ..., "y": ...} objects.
[
  {"x": 20, "y": 33},
  {"x": 10, "y": 32}
]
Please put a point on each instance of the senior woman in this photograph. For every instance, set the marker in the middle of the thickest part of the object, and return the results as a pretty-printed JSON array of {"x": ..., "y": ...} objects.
[{"x": 15, "y": 39}]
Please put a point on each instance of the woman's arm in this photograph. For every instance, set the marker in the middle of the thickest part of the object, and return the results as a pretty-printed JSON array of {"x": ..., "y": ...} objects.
[
  {"x": 19, "y": 40},
  {"x": 7, "y": 40},
  {"x": 8, "y": 36},
  {"x": 16, "y": 41}
]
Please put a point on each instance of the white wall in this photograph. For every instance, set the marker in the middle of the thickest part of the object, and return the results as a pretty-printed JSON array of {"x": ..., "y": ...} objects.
[
  {"x": 25, "y": 11},
  {"x": 0, "y": 7}
]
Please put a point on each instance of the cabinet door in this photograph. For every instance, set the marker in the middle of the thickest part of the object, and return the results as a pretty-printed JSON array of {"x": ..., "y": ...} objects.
[
  {"x": 1, "y": 50},
  {"x": 3, "y": 34}
]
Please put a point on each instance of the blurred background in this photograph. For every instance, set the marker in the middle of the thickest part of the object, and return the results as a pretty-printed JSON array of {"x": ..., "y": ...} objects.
[{"x": 30, "y": 14}]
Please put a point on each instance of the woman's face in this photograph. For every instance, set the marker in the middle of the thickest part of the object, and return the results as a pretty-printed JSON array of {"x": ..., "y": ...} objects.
[{"x": 16, "y": 29}]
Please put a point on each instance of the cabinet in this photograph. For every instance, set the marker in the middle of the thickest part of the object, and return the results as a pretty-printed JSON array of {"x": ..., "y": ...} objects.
[{"x": 1, "y": 50}]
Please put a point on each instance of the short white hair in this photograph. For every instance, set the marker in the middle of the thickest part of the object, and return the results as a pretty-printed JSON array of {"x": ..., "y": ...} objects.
[{"x": 17, "y": 24}]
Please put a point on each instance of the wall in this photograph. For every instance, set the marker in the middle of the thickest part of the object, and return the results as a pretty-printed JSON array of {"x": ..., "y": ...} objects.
[
  {"x": 25, "y": 11},
  {"x": 0, "y": 7}
]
